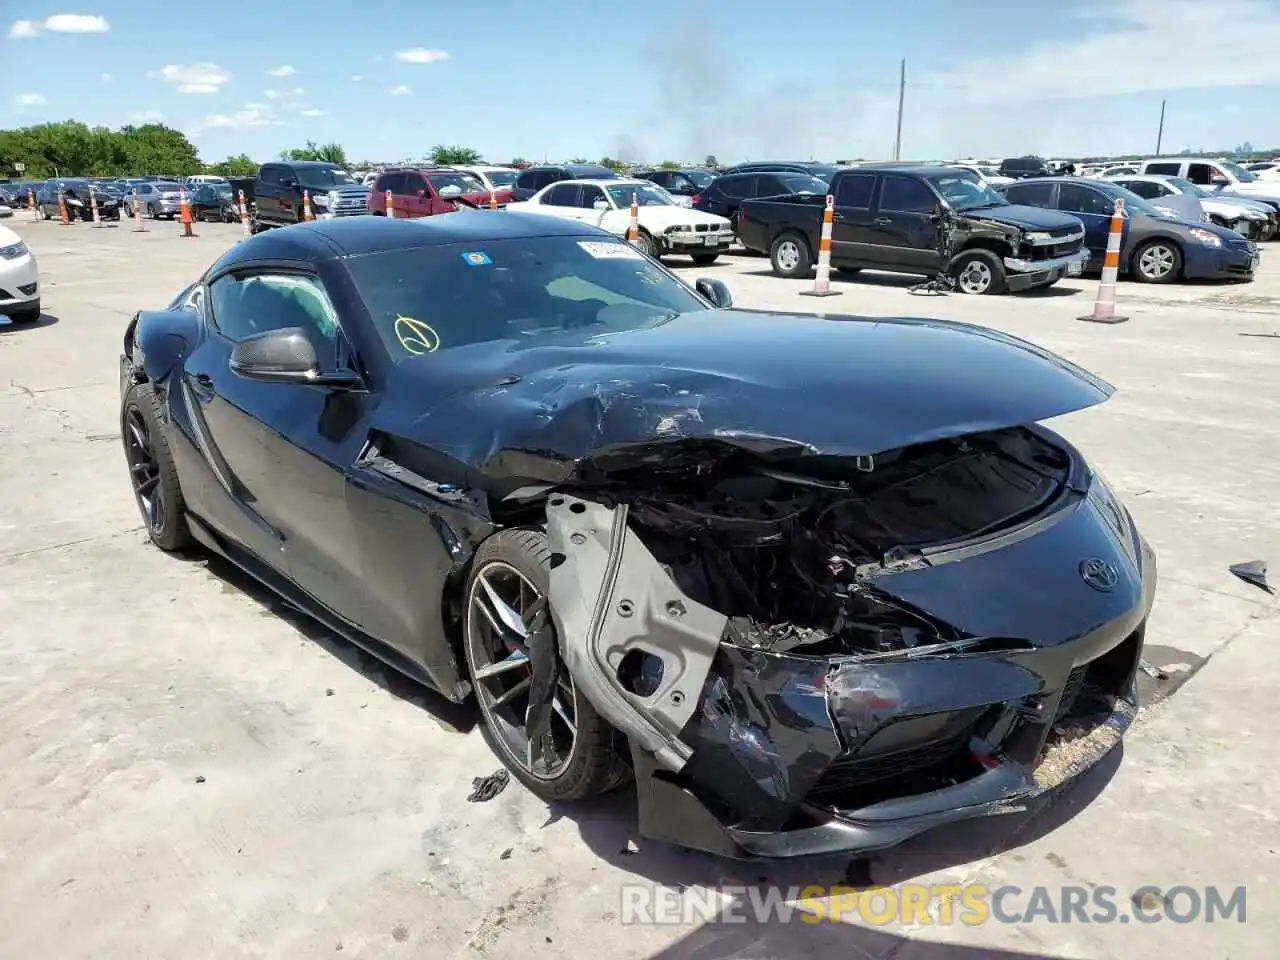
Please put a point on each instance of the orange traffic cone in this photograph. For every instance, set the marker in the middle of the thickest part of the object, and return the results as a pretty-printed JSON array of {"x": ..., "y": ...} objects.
[
  {"x": 93, "y": 207},
  {"x": 244, "y": 216},
  {"x": 391, "y": 206},
  {"x": 633, "y": 229},
  {"x": 306, "y": 206},
  {"x": 185, "y": 206},
  {"x": 493, "y": 200},
  {"x": 63, "y": 218},
  {"x": 137, "y": 214},
  {"x": 31, "y": 204},
  {"x": 822, "y": 276},
  {"x": 1104, "y": 307}
]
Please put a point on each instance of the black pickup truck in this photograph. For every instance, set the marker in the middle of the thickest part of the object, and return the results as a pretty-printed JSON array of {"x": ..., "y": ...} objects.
[{"x": 919, "y": 220}]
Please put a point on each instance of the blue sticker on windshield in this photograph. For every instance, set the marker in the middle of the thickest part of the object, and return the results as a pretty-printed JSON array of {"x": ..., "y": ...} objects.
[{"x": 476, "y": 259}]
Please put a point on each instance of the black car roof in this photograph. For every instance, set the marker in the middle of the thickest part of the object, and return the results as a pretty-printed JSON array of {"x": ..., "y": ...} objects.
[
  {"x": 922, "y": 169},
  {"x": 352, "y": 236}
]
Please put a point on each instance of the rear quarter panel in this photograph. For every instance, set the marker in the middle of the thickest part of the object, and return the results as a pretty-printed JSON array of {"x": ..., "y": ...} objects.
[{"x": 760, "y": 222}]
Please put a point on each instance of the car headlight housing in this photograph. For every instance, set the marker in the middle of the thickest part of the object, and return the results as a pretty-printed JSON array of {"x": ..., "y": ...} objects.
[
  {"x": 13, "y": 251},
  {"x": 1207, "y": 238}
]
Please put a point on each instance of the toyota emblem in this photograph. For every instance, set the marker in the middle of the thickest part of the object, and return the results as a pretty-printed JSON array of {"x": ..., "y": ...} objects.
[{"x": 1099, "y": 574}]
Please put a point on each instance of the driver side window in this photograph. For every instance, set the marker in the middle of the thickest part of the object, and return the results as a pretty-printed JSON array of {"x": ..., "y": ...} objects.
[
  {"x": 590, "y": 194},
  {"x": 243, "y": 306}
]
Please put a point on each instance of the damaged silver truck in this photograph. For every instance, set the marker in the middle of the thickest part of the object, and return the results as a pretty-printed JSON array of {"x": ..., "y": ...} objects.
[{"x": 816, "y": 584}]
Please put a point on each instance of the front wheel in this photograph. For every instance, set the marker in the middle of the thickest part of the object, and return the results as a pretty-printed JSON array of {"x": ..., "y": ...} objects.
[
  {"x": 644, "y": 243},
  {"x": 978, "y": 272},
  {"x": 704, "y": 259},
  {"x": 1158, "y": 261},
  {"x": 508, "y": 635},
  {"x": 152, "y": 473},
  {"x": 790, "y": 257}
]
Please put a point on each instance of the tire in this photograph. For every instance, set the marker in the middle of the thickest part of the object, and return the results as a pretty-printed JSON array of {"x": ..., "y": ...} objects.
[
  {"x": 644, "y": 243},
  {"x": 978, "y": 272},
  {"x": 167, "y": 527},
  {"x": 1156, "y": 261},
  {"x": 704, "y": 259},
  {"x": 595, "y": 764},
  {"x": 790, "y": 256},
  {"x": 848, "y": 271},
  {"x": 152, "y": 212},
  {"x": 29, "y": 314}
]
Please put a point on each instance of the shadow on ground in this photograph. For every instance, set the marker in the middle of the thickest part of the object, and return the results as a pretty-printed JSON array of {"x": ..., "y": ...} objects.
[
  {"x": 459, "y": 717},
  {"x": 46, "y": 320}
]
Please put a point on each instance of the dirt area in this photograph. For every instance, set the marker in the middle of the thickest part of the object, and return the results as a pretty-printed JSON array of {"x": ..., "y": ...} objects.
[{"x": 189, "y": 770}]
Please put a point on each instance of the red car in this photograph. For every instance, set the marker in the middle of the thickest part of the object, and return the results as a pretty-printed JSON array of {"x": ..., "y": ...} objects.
[{"x": 424, "y": 193}]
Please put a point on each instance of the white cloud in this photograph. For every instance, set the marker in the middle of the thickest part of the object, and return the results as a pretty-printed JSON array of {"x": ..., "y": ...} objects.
[
  {"x": 356, "y": 78},
  {"x": 313, "y": 112},
  {"x": 22, "y": 29},
  {"x": 106, "y": 78},
  {"x": 1235, "y": 43},
  {"x": 28, "y": 99},
  {"x": 421, "y": 55},
  {"x": 149, "y": 116},
  {"x": 193, "y": 77},
  {"x": 250, "y": 115},
  {"x": 399, "y": 90},
  {"x": 76, "y": 23},
  {"x": 283, "y": 94},
  {"x": 284, "y": 71}
]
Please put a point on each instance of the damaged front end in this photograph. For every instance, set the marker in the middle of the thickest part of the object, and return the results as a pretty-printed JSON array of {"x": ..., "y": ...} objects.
[{"x": 835, "y": 653}]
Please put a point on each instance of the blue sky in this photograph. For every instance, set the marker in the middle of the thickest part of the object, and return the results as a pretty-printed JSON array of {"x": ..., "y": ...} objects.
[{"x": 666, "y": 79}]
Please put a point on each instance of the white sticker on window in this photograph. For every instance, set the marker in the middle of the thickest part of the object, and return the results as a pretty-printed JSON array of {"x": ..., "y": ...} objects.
[{"x": 604, "y": 250}]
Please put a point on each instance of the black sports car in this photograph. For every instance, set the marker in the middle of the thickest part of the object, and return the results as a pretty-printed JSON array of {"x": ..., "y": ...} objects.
[{"x": 816, "y": 583}]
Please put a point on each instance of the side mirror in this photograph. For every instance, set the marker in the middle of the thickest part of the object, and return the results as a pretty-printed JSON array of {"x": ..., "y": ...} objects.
[
  {"x": 715, "y": 291},
  {"x": 600, "y": 205},
  {"x": 283, "y": 356},
  {"x": 1219, "y": 181},
  {"x": 449, "y": 192},
  {"x": 288, "y": 182}
]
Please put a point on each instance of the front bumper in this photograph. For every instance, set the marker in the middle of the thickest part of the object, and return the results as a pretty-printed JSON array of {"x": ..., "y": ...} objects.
[
  {"x": 689, "y": 241},
  {"x": 1235, "y": 260},
  {"x": 747, "y": 753},
  {"x": 1069, "y": 264},
  {"x": 19, "y": 282}
]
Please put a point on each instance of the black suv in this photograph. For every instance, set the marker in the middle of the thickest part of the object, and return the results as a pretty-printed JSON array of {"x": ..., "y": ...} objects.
[
  {"x": 823, "y": 170},
  {"x": 1022, "y": 167},
  {"x": 534, "y": 179},
  {"x": 725, "y": 194},
  {"x": 278, "y": 192},
  {"x": 688, "y": 182}
]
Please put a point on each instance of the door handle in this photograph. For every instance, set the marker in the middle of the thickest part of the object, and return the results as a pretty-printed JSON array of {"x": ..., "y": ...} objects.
[
  {"x": 883, "y": 221},
  {"x": 838, "y": 216}
]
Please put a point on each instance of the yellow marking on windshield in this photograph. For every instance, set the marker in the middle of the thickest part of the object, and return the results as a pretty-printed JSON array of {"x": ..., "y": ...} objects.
[{"x": 415, "y": 336}]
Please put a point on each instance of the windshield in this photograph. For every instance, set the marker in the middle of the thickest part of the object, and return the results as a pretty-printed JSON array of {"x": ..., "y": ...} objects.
[
  {"x": 803, "y": 184},
  {"x": 646, "y": 194},
  {"x": 1185, "y": 186},
  {"x": 502, "y": 178},
  {"x": 1132, "y": 202},
  {"x": 462, "y": 181},
  {"x": 1237, "y": 171},
  {"x": 441, "y": 297},
  {"x": 964, "y": 191},
  {"x": 323, "y": 178},
  {"x": 701, "y": 179},
  {"x": 168, "y": 187}
]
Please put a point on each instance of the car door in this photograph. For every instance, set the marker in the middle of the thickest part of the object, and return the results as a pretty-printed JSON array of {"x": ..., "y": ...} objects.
[
  {"x": 393, "y": 184},
  {"x": 562, "y": 201},
  {"x": 853, "y": 237},
  {"x": 905, "y": 226},
  {"x": 267, "y": 192},
  {"x": 283, "y": 448},
  {"x": 730, "y": 192},
  {"x": 1094, "y": 210},
  {"x": 604, "y": 217},
  {"x": 415, "y": 197}
]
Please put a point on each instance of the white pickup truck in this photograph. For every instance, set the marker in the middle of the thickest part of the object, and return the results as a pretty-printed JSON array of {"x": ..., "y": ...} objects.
[{"x": 1221, "y": 176}]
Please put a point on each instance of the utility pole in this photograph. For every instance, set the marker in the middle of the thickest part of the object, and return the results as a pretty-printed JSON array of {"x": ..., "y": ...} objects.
[
  {"x": 1160, "y": 132},
  {"x": 902, "y": 92}
]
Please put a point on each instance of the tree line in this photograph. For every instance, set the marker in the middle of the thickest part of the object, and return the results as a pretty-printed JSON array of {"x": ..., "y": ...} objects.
[{"x": 70, "y": 148}]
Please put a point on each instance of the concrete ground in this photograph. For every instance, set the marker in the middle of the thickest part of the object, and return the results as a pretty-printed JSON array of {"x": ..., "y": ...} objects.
[{"x": 188, "y": 771}]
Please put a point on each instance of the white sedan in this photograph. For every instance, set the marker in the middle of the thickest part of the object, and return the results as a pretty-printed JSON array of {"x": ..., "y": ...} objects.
[
  {"x": 665, "y": 227},
  {"x": 19, "y": 279}
]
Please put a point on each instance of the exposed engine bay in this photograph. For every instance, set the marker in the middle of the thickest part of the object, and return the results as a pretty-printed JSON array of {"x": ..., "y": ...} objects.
[{"x": 785, "y": 550}]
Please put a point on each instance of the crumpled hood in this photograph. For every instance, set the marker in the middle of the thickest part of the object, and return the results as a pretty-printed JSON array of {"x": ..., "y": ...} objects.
[
  {"x": 1028, "y": 218},
  {"x": 773, "y": 383}
]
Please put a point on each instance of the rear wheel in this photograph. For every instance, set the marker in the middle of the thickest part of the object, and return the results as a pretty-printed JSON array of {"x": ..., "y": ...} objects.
[
  {"x": 151, "y": 470},
  {"x": 580, "y": 755},
  {"x": 790, "y": 257}
]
